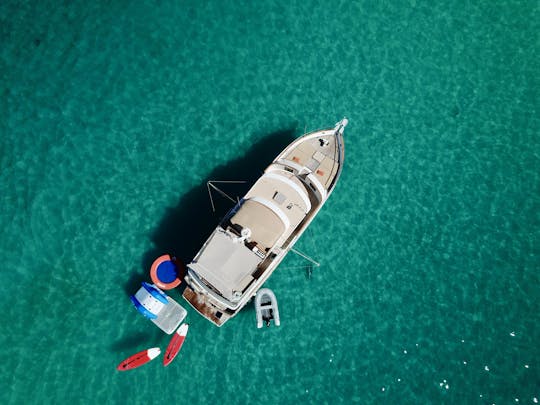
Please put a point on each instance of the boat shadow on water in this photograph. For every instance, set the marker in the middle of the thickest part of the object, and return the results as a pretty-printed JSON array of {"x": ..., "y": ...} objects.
[
  {"x": 133, "y": 341},
  {"x": 185, "y": 227}
]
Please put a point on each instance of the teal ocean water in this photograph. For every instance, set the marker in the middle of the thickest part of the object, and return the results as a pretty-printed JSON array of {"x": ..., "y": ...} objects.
[{"x": 114, "y": 115}]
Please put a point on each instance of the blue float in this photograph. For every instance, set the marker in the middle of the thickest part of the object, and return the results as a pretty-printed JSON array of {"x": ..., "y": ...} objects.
[{"x": 149, "y": 300}]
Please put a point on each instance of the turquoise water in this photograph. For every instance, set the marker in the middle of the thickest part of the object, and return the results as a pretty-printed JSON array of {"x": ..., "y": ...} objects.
[{"x": 113, "y": 115}]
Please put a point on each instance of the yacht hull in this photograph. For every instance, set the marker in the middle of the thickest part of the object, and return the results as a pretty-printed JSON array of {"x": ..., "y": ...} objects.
[{"x": 255, "y": 236}]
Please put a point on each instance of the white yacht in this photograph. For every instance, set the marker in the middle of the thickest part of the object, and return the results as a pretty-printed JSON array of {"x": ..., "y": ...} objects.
[{"x": 254, "y": 237}]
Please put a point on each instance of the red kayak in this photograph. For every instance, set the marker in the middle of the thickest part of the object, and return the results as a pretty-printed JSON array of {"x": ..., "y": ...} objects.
[
  {"x": 175, "y": 344},
  {"x": 139, "y": 359}
]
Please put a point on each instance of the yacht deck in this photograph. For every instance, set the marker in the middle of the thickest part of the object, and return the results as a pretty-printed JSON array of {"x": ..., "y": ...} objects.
[{"x": 319, "y": 155}]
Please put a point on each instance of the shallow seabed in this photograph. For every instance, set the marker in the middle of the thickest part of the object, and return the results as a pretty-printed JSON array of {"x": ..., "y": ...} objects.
[{"x": 113, "y": 116}]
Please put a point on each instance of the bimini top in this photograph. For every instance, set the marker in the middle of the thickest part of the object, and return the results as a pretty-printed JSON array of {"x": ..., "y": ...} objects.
[{"x": 226, "y": 263}]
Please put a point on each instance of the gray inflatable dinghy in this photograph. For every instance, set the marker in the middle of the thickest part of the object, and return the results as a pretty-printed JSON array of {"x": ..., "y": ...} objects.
[{"x": 266, "y": 307}]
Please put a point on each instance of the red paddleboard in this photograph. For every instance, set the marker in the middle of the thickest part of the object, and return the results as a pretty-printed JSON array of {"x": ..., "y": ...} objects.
[
  {"x": 175, "y": 344},
  {"x": 139, "y": 359}
]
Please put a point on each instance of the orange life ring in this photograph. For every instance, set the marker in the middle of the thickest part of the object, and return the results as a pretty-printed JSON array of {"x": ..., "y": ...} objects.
[{"x": 165, "y": 272}]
